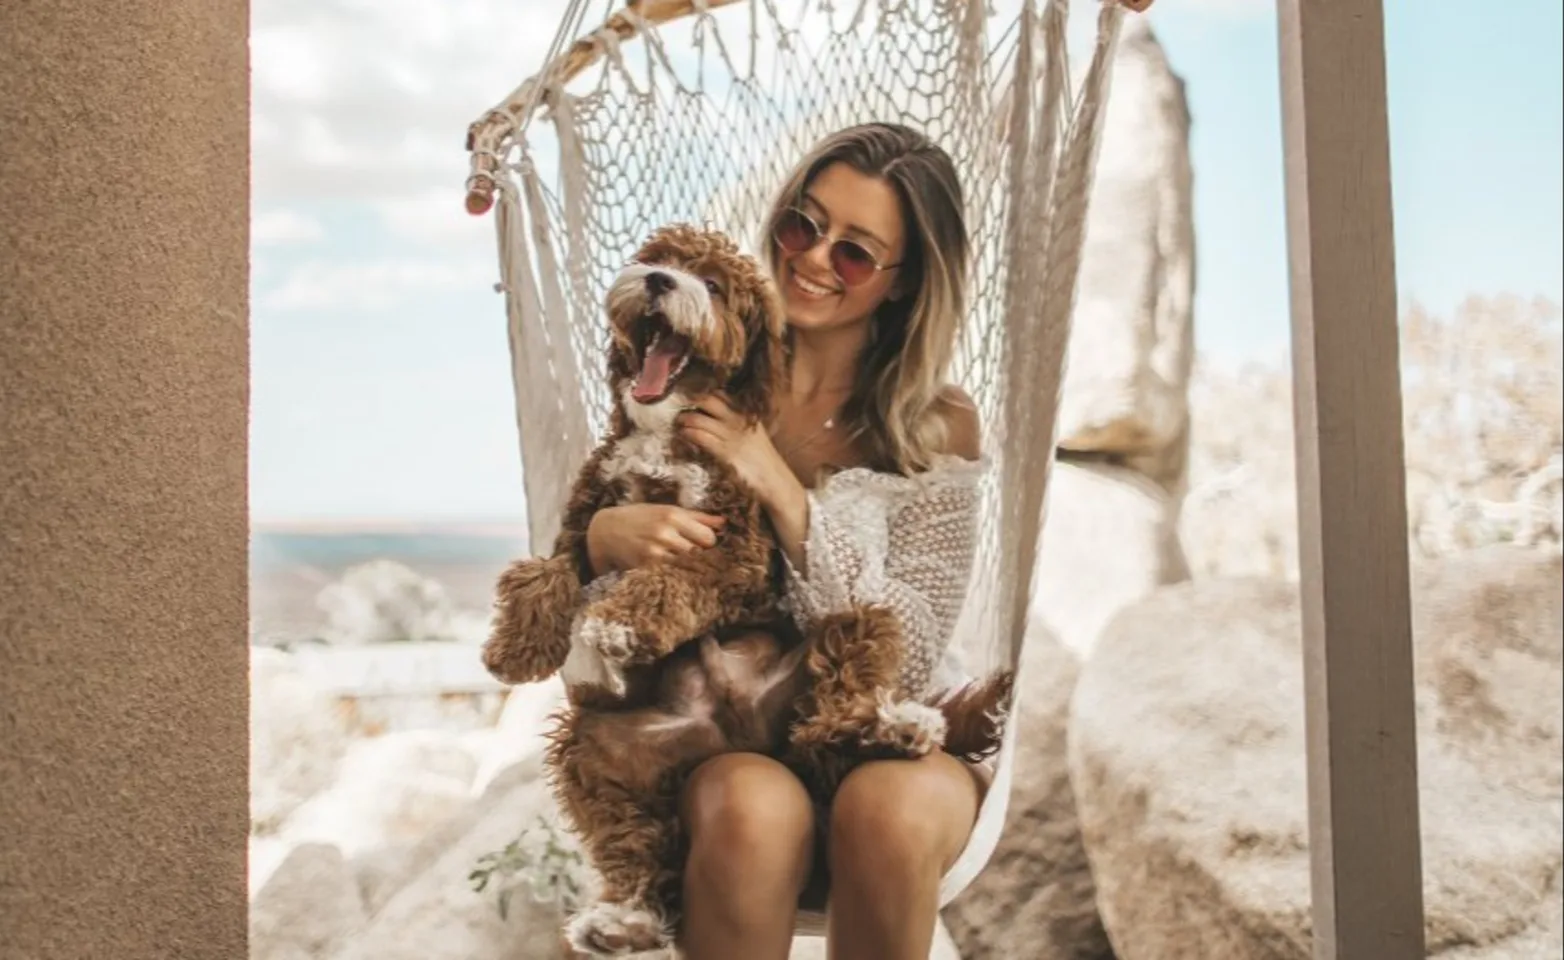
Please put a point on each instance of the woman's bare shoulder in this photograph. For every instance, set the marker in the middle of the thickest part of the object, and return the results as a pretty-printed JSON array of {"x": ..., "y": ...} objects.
[{"x": 963, "y": 428}]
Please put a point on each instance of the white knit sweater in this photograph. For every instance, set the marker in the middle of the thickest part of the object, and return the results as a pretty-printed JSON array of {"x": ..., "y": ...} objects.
[{"x": 905, "y": 543}]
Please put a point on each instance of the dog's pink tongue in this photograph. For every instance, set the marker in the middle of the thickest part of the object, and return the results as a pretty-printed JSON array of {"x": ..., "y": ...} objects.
[{"x": 657, "y": 368}]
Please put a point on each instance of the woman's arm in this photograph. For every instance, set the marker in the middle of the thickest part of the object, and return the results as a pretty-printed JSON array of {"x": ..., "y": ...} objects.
[
  {"x": 631, "y": 535},
  {"x": 787, "y": 504}
]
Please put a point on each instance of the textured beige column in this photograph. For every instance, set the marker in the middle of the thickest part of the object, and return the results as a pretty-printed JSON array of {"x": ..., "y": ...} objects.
[
  {"x": 1364, "y": 837},
  {"x": 123, "y": 404}
]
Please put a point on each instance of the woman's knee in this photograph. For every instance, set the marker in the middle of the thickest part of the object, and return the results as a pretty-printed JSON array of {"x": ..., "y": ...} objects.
[
  {"x": 747, "y": 815},
  {"x": 898, "y": 815}
]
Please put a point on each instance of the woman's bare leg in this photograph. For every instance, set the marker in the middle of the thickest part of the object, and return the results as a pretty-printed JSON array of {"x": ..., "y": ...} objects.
[
  {"x": 752, "y": 831},
  {"x": 896, "y": 827}
]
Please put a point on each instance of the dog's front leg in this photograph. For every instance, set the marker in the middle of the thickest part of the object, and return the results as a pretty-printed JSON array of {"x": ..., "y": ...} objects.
[
  {"x": 654, "y": 610},
  {"x": 537, "y": 598},
  {"x": 534, "y": 604}
]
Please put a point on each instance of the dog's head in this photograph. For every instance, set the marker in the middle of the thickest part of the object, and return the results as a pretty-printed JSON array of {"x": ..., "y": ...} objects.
[{"x": 692, "y": 316}]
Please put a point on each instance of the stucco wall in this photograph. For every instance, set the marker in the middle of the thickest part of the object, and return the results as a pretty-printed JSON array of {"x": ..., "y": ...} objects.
[{"x": 123, "y": 418}]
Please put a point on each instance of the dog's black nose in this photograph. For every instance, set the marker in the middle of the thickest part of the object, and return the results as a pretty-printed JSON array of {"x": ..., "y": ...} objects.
[{"x": 658, "y": 283}]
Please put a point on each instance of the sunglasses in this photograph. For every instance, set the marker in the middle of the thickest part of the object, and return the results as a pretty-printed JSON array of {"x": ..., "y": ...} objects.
[{"x": 797, "y": 232}]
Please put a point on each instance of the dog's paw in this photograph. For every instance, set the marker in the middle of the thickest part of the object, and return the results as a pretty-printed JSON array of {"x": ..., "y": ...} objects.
[
  {"x": 618, "y": 930},
  {"x": 910, "y": 728},
  {"x": 614, "y": 642}
]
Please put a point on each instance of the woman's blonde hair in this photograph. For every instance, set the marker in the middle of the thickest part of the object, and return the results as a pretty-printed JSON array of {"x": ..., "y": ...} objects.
[{"x": 898, "y": 410}]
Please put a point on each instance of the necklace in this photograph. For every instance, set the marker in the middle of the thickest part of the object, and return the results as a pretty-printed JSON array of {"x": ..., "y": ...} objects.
[{"x": 827, "y": 426}]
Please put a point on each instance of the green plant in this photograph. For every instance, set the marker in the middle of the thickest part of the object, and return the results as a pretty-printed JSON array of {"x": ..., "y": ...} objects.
[{"x": 545, "y": 861}]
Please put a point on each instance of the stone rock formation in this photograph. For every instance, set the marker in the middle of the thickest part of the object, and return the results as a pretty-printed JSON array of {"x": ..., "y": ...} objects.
[
  {"x": 1132, "y": 342},
  {"x": 1111, "y": 533},
  {"x": 1187, "y": 758}
]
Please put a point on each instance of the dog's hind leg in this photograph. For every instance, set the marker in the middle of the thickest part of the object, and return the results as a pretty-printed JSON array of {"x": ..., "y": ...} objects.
[
  {"x": 852, "y": 658},
  {"x": 905, "y": 728},
  {"x": 618, "y": 786},
  {"x": 636, "y": 852},
  {"x": 852, "y": 716}
]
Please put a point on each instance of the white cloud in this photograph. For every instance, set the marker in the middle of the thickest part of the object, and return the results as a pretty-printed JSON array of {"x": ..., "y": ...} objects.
[
  {"x": 280, "y": 226},
  {"x": 318, "y": 284},
  {"x": 436, "y": 214},
  {"x": 358, "y": 98}
]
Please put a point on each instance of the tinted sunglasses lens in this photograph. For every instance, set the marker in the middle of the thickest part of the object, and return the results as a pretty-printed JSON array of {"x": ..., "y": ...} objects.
[
  {"x": 796, "y": 233},
  {"x": 852, "y": 262}
]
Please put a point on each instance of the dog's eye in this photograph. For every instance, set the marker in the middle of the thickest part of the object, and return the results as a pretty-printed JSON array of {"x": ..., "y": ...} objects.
[{"x": 713, "y": 287}]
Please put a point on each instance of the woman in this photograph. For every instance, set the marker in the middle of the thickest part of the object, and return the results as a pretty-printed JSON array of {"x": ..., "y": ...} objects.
[{"x": 869, "y": 245}]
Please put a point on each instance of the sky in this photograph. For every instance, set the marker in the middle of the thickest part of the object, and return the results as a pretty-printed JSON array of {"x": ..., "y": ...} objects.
[{"x": 380, "y": 374}]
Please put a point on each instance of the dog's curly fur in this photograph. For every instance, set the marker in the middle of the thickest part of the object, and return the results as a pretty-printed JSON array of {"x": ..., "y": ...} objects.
[{"x": 692, "y": 656}]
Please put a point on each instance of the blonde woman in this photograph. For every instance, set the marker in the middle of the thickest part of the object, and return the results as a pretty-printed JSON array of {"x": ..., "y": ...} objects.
[{"x": 869, "y": 474}]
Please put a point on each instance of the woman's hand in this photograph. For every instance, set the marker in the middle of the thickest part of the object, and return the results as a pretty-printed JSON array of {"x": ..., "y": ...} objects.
[
  {"x": 635, "y": 534},
  {"x": 746, "y": 447}
]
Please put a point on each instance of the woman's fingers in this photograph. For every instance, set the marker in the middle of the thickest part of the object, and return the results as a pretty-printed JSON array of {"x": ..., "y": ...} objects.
[
  {"x": 673, "y": 539},
  {"x": 709, "y": 519},
  {"x": 716, "y": 408},
  {"x": 695, "y": 528},
  {"x": 704, "y": 435}
]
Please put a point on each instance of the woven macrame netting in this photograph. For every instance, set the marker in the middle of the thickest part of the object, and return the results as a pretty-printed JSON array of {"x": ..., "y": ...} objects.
[{"x": 699, "y": 119}]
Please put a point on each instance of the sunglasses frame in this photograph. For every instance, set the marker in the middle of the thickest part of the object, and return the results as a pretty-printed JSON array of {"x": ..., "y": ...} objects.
[{"x": 820, "y": 234}]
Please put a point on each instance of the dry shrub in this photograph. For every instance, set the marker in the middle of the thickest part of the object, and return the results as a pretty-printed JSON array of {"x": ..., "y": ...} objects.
[{"x": 1484, "y": 412}]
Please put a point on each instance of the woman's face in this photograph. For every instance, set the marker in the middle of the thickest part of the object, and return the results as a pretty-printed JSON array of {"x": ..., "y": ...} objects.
[{"x": 847, "y": 205}]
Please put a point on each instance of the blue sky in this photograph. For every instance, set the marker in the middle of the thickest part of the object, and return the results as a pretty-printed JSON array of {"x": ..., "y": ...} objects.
[{"x": 381, "y": 386}]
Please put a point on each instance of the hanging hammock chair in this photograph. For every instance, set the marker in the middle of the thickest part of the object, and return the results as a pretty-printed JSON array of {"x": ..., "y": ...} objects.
[{"x": 695, "y": 110}]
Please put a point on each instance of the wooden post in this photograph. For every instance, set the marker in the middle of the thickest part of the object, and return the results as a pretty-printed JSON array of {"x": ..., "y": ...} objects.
[{"x": 1357, "y": 634}]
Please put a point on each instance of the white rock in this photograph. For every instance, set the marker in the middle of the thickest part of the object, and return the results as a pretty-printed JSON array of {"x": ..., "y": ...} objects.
[
  {"x": 519, "y": 733},
  {"x": 296, "y": 740},
  {"x": 266, "y": 855},
  {"x": 1187, "y": 760},
  {"x": 1035, "y": 898},
  {"x": 383, "y": 601},
  {"x": 390, "y": 790},
  {"x": 1131, "y": 346},
  {"x": 309, "y": 907},
  {"x": 1109, "y": 539},
  {"x": 425, "y": 907}
]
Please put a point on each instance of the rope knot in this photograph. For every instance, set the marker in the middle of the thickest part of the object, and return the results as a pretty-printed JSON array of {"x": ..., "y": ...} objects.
[{"x": 608, "y": 39}]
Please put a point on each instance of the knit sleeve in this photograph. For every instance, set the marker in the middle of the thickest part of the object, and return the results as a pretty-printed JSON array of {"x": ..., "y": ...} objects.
[{"x": 905, "y": 543}]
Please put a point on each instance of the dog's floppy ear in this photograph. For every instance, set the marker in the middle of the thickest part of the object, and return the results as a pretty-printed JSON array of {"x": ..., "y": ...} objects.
[{"x": 752, "y": 388}]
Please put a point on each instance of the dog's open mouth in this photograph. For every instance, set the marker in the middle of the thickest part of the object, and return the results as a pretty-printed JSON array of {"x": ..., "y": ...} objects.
[{"x": 664, "y": 355}]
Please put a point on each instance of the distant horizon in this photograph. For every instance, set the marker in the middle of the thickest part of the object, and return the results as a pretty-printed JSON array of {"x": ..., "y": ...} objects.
[{"x": 475, "y": 526}]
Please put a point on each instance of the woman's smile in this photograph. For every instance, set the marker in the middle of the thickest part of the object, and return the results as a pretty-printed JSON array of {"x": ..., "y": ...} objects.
[{"x": 806, "y": 288}]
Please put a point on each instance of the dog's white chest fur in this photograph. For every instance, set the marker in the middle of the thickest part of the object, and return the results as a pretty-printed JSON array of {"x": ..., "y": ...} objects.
[{"x": 647, "y": 452}]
